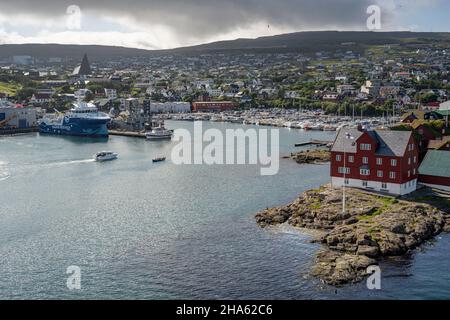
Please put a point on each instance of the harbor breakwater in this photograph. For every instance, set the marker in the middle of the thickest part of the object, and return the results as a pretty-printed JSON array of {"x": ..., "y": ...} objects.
[{"x": 373, "y": 227}]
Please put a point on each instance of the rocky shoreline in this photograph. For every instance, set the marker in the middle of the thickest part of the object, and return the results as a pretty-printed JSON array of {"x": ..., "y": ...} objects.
[
  {"x": 373, "y": 227},
  {"x": 317, "y": 156}
]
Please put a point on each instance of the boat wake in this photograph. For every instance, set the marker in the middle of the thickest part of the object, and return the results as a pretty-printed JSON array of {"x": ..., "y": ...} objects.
[
  {"x": 66, "y": 163},
  {"x": 4, "y": 173}
]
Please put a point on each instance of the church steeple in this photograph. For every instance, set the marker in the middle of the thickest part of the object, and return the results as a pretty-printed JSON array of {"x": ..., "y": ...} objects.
[{"x": 85, "y": 68}]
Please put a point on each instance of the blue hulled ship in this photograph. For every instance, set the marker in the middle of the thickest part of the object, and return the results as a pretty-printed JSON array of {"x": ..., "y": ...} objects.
[{"x": 83, "y": 119}]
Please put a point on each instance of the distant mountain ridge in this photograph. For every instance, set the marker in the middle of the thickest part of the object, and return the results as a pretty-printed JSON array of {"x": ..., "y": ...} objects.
[
  {"x": 300, "y": 41},
  {"x": 303, "y": 40},
  {"x": 95, "y": 52}
]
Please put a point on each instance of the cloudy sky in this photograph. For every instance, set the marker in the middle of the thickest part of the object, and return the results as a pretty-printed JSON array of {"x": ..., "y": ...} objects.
[{"x": 161, "y": 24}]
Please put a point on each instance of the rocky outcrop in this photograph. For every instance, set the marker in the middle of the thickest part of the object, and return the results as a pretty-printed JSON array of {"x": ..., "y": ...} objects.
[
  {"x": 371, "y": 227},
  {"x": 311, "y": 156},
  {"x": 337, "y": 269}
]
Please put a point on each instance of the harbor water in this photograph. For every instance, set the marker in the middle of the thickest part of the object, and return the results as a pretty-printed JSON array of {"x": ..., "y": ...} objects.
[{"x": 140, "y": 230}]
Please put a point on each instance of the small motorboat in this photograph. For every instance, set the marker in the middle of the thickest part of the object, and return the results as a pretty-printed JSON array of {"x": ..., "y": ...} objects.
[
  {"x": 105, "y": 156},
  {"x": 160, "y": 159}
]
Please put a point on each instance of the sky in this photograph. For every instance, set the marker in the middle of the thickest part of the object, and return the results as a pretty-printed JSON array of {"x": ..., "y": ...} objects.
[{"x": 164, "y": 24}]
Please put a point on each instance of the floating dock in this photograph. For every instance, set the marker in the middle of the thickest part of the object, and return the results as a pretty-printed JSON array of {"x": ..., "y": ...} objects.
[
  {"x": 130, "y": 134},
  {"x": 318, "y": 143}
]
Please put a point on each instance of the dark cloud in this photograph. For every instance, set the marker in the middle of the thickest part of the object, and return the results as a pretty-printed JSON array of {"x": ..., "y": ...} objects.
[{"x": 206, "y": 18}]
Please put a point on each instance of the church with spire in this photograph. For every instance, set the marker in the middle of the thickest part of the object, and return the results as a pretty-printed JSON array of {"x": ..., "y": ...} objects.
[{"x": 84, "y": 69}]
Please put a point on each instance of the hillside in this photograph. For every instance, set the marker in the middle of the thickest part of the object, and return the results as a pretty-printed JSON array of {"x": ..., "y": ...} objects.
[
  {"x": 95, "y": 52},
  {"x": 305, "y": 42},
  {"x": 322, "y": 40}
]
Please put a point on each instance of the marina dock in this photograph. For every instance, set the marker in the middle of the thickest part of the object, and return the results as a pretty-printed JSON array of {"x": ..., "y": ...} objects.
[
  {"x": 130, "y": 134},
  {"x": 317, "y": 143}
]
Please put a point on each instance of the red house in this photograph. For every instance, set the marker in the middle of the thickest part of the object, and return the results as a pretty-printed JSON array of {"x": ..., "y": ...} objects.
[
  {"x": 211, "y": 106},
  {"x": 383, "y": 160}
]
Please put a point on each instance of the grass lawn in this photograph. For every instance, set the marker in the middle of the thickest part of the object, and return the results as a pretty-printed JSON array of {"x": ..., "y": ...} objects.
[{"x": 9, "y": 88}]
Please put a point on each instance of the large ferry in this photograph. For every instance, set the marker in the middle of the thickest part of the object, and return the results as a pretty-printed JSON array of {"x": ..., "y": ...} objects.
[{"x": 83, "y": 119}]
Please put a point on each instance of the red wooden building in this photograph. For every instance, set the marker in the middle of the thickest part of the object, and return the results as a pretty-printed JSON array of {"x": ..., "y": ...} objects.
[
  {"x": 210, "y": 106},
  {"x": 385, "y": 161}
]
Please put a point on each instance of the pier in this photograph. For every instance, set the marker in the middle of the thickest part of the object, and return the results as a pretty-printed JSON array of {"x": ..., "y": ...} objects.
[
  {"x": 129, "y": 134},
  {"x": 317, "y": 143},
  {"x": 8, "y": 132}
]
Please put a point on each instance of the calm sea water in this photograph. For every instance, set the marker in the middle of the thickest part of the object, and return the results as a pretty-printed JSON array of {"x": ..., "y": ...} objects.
[{"x": 140, "y": 230}]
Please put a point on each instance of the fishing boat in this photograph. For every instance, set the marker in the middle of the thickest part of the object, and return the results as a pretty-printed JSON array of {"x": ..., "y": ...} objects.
[{"x": 160, "y": 159}]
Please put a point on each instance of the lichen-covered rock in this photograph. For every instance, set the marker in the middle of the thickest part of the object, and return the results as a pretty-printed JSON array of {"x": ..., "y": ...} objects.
[
  {"x": 368, "y": 251},
  {"x": 338, "y": 269},
  {"x": 371, "y": 227},
  {"x": 312, "y": 156}
]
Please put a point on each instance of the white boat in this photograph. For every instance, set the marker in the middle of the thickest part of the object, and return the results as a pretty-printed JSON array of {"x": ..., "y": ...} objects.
[
  {"x": 159, "y": 133},
  {"x": 105, "y": 156},
  {"x": 316, "y": 127},
  {"x": 329, "y": 128}
]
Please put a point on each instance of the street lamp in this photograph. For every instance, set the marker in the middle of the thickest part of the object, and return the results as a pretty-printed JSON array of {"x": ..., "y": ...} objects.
[{"x": 348, "y": 136}]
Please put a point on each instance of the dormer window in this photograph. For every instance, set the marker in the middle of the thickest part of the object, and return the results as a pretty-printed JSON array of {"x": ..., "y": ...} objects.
[{"x": 365, "y": 146}]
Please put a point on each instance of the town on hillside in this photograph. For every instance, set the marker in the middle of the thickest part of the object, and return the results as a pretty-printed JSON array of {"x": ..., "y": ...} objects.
[{"x": 389, "y": 104}]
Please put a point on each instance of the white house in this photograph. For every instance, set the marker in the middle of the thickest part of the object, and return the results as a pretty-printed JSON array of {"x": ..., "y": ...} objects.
[
  {"x": 445, "y": 106},
  {"x": 41, "y": 98},
  {"x": 170, "y": 107},
  {"x": 214, "y": 92},
  {"x": 111, "y": 94}
]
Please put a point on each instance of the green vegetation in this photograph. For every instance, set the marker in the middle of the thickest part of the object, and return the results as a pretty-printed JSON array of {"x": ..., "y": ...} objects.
[
  {"x": 9, "y": 88},
  {"x": 434, "y": 199},
  {"x": 386, "y": 203}
]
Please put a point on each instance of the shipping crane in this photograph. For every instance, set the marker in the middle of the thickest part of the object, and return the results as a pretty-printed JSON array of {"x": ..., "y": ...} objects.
[{"x": 4, "y": 122}]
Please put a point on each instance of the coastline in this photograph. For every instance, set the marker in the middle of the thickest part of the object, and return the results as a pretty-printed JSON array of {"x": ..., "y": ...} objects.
[
  {"x": 374, "y": 227},
  {"x": 318, "y": 156}
]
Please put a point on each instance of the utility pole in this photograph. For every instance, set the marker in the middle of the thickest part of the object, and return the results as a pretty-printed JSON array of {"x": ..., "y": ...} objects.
[
  {"x": 348, "y": 136},
  {"x": 393, "y": 113}
]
